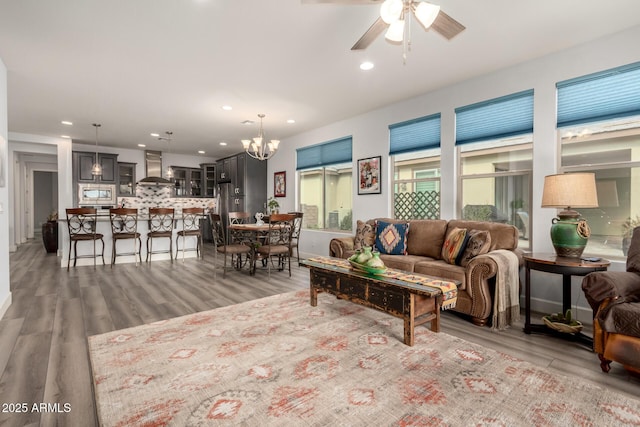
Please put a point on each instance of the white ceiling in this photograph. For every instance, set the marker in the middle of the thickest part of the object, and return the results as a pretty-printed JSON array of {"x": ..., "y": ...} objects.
[{"x": 142, "y": 66}]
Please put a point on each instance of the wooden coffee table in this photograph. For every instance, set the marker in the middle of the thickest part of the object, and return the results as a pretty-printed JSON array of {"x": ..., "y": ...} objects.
[{"x": 415, "y": 298}]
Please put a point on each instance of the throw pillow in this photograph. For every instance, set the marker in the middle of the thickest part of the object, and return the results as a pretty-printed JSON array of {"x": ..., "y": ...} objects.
[
  {"x": 454, "y": 245},
  {"x": 391, "y": 238},
  {"x": 478, "y": 243},
  {"x": 365, "y": 236}
]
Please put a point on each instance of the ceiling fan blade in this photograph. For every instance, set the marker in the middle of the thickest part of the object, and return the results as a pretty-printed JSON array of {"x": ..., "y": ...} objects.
[
  {"x": 340, "y": 1},
  {"x": 370, "y": 35},
  {"x": 447, "y": 26}
]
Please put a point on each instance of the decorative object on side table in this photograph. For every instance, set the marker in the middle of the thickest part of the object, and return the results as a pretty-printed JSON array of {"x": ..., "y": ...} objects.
[
  {"x": 280, "y": 184},
  {"x": 563, "y": 322},
  {"x": 369, "y": 175},
  {"x": 569, "y": 233},
  {"x": 273, "y": 205},
  {"x": 50, "y": 233}
]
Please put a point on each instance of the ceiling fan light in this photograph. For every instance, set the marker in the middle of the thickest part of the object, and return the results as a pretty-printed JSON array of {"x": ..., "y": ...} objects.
[
  {"x": 395, "y": 31},
  {"x": 426, "y": 13},
  {"x": 390, "y": 10}
]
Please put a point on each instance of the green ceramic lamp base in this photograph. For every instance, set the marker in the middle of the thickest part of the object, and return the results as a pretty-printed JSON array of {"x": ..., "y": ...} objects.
[{"x": 569, "y": 234}]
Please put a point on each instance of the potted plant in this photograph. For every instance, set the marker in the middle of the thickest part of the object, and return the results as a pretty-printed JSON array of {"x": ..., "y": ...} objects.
[
  {"x": 627, "y": 232},
  {"x": 50, "y": 233},
  {"x": 273, "y": 205},
  {"x": 563, "y": 322}
]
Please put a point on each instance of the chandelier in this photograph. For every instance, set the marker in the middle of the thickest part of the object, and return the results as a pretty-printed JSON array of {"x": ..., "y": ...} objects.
[
  {"x": 260, "y": 149},
  {"x": 96, "y": 169}
]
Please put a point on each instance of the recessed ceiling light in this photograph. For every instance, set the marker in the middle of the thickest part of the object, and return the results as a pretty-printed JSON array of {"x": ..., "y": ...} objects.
[
  {"x": 200, "y": 152},
  {"x": 366, "y": 66},
  {"x": 65, "y": 136},
  {"x": 142, "y": 145},
  {"x": 291, "y": 121},
  {"x": 223, "y": 143},
  {"x": 227, "y": 107},
  {"x": 155, "y": 135},
  {"x": 66, "y": 122}
]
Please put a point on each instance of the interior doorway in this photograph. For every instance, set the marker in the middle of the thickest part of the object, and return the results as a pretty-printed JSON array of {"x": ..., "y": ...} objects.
[{"x": 45, "y": 197}]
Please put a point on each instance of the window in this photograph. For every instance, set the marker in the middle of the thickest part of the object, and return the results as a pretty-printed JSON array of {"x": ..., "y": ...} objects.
[
  {"x": 599, "y": 132},
  {"x": 415, "y": 147},
  {"x": 495, "y": 151},
  {"x": 325, "y": 184}
]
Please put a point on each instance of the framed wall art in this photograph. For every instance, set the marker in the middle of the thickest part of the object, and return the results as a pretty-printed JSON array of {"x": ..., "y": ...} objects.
[
  {"x": 280, "y": 184},
  {"x": 369, "y": 175}
]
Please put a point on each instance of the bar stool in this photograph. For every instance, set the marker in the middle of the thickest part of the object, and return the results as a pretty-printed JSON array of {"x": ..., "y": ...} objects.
[
  {"x": 160, "y": 225},
  {"x": 191, "y": 218},
  {"x": 124, "y": 225},
  {"x": 81, "y": 223}
]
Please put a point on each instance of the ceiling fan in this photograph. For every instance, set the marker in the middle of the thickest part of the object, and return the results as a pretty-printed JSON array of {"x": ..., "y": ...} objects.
[{"x": 393, "y": 17}]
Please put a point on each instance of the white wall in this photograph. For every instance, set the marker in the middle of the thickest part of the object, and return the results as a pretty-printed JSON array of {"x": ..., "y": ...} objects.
[
  {"x": 5, "y": 292},
  {"x": 370, "y": 138}
]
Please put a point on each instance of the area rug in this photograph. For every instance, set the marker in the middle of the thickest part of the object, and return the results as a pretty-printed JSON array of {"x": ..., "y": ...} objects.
[{"x": 278, "y": 361}]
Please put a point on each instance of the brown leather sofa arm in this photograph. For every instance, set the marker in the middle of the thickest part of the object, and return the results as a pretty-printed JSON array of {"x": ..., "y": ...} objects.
[
  {"x": 600, "y": 285},
  {"x": 338, "y": 246},
  {"x": 479, "y": 270}
]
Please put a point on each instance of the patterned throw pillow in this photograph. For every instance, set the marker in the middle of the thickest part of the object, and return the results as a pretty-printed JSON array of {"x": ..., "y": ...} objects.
[
  {"x": 478, "y": 243},
  {"x": 454, "y": 245},
  {"x": 365, "y": 236},
  {"x": 391, "y": 238}
]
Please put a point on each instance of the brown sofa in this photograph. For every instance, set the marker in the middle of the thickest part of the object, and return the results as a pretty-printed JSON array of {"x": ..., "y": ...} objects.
[
  {"x": 615, "y": 299},
  {"x": 424, "y": 246}
]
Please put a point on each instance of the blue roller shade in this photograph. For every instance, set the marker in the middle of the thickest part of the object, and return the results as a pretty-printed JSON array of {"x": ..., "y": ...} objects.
[
  {"x": 325, "y": 154},
  {"x": 497, "y": 118},
  {"x": 413, "y": 135},
  {"x": 600, "y": 96}
]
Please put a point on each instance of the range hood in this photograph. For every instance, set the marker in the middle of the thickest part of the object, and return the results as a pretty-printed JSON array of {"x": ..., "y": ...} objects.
[{"x": 153, "y": 169}]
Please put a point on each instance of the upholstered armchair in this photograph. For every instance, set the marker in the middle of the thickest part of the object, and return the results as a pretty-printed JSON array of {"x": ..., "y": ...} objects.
[{"x": 615, "y": 299}]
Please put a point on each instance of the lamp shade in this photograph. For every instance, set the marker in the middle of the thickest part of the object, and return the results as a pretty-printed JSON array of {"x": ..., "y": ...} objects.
[{"x": 575, "y": 190}]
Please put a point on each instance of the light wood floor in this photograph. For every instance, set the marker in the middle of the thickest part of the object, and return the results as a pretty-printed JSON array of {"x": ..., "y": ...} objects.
[{"x": 43, "y": 335}]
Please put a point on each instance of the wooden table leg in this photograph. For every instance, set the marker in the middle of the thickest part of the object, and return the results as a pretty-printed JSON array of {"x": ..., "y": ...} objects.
[
  {"x": 435, "y": 323},
  {"x": 409, "y": 319},
  {"x": 313, "y": 293}
]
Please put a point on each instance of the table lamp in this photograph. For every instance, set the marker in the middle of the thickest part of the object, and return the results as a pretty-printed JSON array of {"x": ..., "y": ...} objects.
[{"x": 570, "y": 233}]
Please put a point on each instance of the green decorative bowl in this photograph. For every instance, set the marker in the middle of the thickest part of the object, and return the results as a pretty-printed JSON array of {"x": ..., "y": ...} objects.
[{"x": 367, "y": 269}]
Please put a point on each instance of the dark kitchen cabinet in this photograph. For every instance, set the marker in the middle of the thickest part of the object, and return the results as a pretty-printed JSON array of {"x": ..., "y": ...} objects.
[
  {"x": 188, "y": 181},
  {"x": 209, "y": 179},
  {"x": 83, "y": 163},
  {"x": 126, "y": 179}
]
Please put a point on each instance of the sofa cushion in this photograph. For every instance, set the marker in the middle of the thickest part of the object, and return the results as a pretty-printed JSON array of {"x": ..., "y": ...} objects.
[
  {"x": 426, "y": 237},
  {"x": 477, "y": 244},
  {"x": 365, "y": 235},
  {"x": 391, "y": 238},
  {"x": 440, "y": 268},
  {"x": 503, "y": 236},
  {"x": 405, "y": 263},
  {"x": 454, "y": 245}
]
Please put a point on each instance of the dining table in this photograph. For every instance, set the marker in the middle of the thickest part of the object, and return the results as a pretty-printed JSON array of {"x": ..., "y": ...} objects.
[{"x": 251, "y": 234}]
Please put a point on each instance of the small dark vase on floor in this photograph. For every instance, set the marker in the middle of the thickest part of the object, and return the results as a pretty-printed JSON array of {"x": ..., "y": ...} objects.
[{"x": 50, "y": 236}]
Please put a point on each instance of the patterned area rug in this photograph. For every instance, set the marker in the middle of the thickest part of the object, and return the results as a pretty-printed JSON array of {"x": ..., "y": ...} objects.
[{"x": 279, "y": 361}]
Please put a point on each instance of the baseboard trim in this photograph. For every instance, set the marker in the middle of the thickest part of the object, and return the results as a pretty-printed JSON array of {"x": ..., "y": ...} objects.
[{"x": 5, "y": 306}]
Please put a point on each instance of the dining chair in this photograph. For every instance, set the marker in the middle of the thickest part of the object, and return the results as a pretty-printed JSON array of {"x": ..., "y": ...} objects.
[
  {"x": 124, "y": 226},
  {"x": 81, "y": 223},
  {"x": 295, "y": 235},
  {"x": 160, "y": 226},
  {"x": 234, "y": 249},
  {"x": 278, "y": 241},
  {"x": 191, "y": 218}
]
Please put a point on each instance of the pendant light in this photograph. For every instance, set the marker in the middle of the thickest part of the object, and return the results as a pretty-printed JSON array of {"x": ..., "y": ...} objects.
[
  {"x": 169, "y": 171},
  {"x": 96, "y": 169}
]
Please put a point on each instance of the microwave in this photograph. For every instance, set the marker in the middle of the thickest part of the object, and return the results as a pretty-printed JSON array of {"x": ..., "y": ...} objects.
[{"x": 96, "y": 194}]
